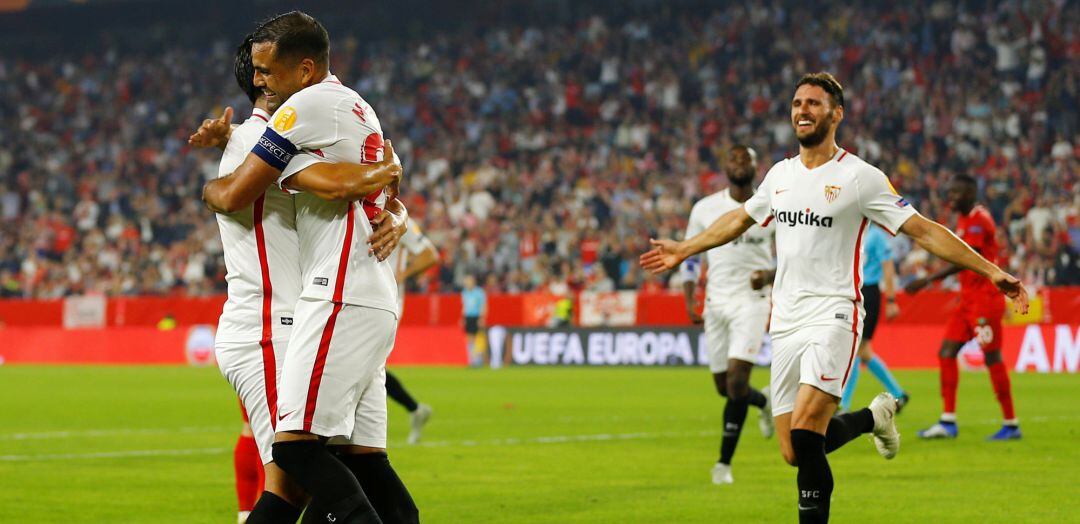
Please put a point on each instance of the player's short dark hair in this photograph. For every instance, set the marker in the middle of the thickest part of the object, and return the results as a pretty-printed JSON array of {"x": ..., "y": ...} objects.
[
  {"x": 245, "y": 71},
  {"x": 297, "y": 35},
  {"x": 827, "y": 82},
  {"x": 966, "y": 179}
]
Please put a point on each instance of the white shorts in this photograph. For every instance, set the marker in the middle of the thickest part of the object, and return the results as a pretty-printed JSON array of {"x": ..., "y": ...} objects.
[
  {"x": 369, "y": 426},
  {"x": 247, "y": 367},
  {"x": 335, "y": 353},
  {"x": 734, "y": 330},
  {"x": 820, "y": 356}
]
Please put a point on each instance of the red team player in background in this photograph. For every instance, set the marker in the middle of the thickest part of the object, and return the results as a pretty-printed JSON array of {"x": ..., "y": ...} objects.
[{"x": 979, "y": 315}]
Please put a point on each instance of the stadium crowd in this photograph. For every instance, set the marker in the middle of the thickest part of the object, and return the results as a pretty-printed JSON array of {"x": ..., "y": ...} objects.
[{"x": 545, "y": 157}]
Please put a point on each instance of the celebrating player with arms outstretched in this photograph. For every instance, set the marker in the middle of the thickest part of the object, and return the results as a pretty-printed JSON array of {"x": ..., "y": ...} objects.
[
  {"x": 822, "y": 202},
  {"x": 735, "y": 314},
  {"x": 979, "y": 316},
  {"x": 332, "y": 378}
]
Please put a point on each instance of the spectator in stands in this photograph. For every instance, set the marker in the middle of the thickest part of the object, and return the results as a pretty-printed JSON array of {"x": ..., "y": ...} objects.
[{"x": 542, "y": 147}]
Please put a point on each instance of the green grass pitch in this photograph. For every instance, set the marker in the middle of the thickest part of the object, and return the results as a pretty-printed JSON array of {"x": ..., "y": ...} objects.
[{"x": 547, "y": 445}]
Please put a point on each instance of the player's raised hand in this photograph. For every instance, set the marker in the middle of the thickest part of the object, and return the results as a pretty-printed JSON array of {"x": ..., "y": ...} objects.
[
  {"x": 662, "y": 257},
  {"x": 214, "y": 132},
  {"x": 1014, "y": 289},
  {"x": 388, "y": 230}
]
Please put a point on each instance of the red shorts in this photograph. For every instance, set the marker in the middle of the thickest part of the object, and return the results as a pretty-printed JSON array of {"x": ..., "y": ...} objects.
[{"x": 980, "y": 320}]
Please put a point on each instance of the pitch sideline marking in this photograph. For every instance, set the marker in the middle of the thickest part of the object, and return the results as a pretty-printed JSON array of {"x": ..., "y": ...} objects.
[
  {"x": 510, "y": 441},
  {"x": 115, "y": 454}
]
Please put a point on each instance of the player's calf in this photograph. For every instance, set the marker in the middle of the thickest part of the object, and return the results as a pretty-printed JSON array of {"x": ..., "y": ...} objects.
[
  {"x": 332, "y": 486},
  {"x": 383, "y": 486},
  {"x": 814, "y": 479}
]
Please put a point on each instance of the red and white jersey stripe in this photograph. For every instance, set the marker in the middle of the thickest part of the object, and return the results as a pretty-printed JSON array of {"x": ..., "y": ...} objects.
[
  {"x": 261, "y": 254},
  {"x": 328, "y": 122},
  {"x": 821, "y": 215}
]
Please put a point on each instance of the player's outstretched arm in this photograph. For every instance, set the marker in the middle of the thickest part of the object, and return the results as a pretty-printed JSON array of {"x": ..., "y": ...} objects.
[
  {"x": 240, "y": 188},
  {"x": 942, "y": 243},
  {"x": 214, "y": 132},
  {"x": 347, "y": 182},
  {"x": 667, "y": 254}
]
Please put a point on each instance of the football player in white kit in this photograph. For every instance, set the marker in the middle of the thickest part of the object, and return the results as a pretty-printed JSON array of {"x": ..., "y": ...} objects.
[
  {"x": 262, "y": 259},
  {"x": 822, "y": 201},
  {"x": 332, "y": 378},
  {"x": 414, "y": 255},
  {"x": 735, "y": 314}
]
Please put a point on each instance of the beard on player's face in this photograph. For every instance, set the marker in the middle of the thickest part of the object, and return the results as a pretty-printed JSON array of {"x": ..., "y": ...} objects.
[
  {"x": 816, "y": 135},
  {"x": 741, "y": 175}
]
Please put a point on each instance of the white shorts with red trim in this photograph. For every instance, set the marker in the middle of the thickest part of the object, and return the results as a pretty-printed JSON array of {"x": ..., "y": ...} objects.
[
  {"x": 820, "y": 356},
  {"x": 369, "y": 426},
  {"x": 243, "y": 365},
  {"x": 335, "y": 353},
  {"x": 734, "y": 330}
]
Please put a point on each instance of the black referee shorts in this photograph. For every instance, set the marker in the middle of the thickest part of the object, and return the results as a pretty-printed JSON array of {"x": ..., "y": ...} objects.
[{"x": 472, "y": 325}]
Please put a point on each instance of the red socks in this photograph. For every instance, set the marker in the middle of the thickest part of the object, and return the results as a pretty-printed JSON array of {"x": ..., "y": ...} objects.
[
  {"x": 950, "y": 378},
  {"x": 999, "y": 377},
  {"x": 249, "y": 472}
]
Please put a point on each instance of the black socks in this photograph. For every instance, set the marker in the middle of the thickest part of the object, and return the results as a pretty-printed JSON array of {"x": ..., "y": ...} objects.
[
  {"x": 734, "y": 416},
  {"x": 756, "y": 398},
  {"x": 272, "y": 509},
  {"x": 397, "y": 392},
  {"x": 844, "y": 428},
  {"x": 383, "y": 487},
  {"x": 815, "y": 478},
  {"x": 331, "y": 485}
]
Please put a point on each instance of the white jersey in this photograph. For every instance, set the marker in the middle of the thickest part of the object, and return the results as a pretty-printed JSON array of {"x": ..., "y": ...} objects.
[
  {"x": 731, "y": 264},
  {"x": 328, "y": 122},
  {"x": 413, "y": 242},
  {"x": 820, "y": 216},
  {"x": 261, "y": 253}
]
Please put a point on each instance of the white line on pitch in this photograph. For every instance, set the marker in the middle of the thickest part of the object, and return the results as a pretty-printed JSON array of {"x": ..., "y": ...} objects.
[
  {"x": 90, "y": 433},
  {"x": 561, "y": 439},
  {"x": 115, "y": 454}
]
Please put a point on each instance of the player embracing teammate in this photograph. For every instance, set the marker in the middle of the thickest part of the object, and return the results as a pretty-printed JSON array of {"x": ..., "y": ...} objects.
[
  {"x": 324, "y": 144},
  {"x": 822, "y": 202}
]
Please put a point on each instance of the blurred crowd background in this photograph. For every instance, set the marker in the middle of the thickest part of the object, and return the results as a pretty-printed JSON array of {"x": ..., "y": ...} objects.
[{"x": 544, "y": 142}]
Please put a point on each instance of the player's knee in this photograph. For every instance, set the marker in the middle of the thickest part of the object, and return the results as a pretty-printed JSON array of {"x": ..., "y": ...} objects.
[
  {"x": 292, "y": 454},
  {"x": 992, "y": 357},
  {"x": 738, "y": 388},
  {"x": 948, "y": 350}
]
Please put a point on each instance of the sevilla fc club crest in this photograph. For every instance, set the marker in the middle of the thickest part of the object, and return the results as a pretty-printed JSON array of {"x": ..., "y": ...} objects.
[{"x": 831, "y": 192}]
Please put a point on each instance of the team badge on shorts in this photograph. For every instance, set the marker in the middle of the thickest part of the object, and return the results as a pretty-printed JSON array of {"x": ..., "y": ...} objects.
[
  {"x": 831, "y": 192},
  {"x": 285, "y": 119}
]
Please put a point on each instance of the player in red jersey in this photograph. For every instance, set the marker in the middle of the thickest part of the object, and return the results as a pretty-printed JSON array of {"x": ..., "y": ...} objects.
[{"x": 979, "y": 316}]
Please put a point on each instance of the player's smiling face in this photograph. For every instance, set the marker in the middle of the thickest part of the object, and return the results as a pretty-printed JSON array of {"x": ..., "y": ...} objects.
[
  {"x": 277, "y": 78},
  {"x": 813, "y": 115}
]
